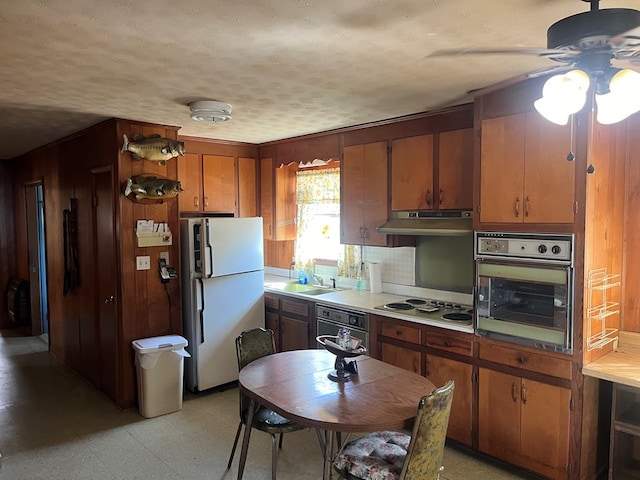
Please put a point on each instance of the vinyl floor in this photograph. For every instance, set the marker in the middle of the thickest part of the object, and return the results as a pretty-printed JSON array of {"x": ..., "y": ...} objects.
[{"x": 55, "y": 425}]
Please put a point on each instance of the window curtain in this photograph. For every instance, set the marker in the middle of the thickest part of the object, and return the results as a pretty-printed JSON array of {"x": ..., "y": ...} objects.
[{"x": 318, "y": 228}]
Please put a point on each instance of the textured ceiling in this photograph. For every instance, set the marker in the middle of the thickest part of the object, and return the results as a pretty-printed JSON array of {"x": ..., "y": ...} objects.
[{"x": 288, "y": 67}]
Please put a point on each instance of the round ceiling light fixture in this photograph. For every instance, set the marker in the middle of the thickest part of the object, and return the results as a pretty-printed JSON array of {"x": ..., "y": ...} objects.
[{"x": 210, "y": 111}]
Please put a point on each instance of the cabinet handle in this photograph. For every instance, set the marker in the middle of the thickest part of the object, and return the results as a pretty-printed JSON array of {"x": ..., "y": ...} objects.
[
  {"x": 196, "y": 201},
  {"x": 521, "y": 359},
  {"x": 416, "y": 367},
  {"x": 428, "y": 197},
  {"x": 524, "y": 394},
  {"x": 270, "y": 232},
  {"x": 206, "y": 201},
  {"x": 517, "y": 207},
  {"x": 447, "y": 343},
  {"x": 440, "y": 196},
  {"x": 514, "y": 392},
  {"x": 526, "y": 207},
  {"x": 361, "y": 233},
  {"x": 366, "y": 233},
  {"x": 398, "y": 333}
]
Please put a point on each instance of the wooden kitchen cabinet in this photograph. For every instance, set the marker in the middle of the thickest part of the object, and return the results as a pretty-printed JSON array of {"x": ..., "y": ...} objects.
[
  {"x": 190, "y": 176},
  {"x": 442, "y": 365},
  {"x": 440, "y": 370},
  {"x": 624, "y": 459},
  {"x": 292, "y": 321},
  {"x": 218, "y": 183},
  {"x": 364, "y": 194},
  {"x": 278, "y": 205},
  {"x": 524, "y": 422},
  {"x": 399, "y": 343},
  {"x": 433, "y": 172},
  {"x": 412, "y": 173},
  {"x": 525, "y": 176}
]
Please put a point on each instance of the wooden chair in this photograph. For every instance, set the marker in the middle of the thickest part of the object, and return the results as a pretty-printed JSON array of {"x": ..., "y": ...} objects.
[
  {"x": 251, "y": 345},
  {"x": 397, "y": 456}
]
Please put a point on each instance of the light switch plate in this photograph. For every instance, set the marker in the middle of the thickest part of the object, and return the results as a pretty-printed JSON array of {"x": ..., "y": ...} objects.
[{"x": 143, "y": 263}]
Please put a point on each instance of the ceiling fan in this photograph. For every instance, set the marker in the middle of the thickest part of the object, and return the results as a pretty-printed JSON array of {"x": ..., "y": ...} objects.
[{"x": 584, "y": 45}]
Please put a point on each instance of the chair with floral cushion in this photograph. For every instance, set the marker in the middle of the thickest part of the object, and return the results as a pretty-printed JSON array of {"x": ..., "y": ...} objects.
[
  {"x": 252, "y": 345},
  {"x": 397, "y": 456}
]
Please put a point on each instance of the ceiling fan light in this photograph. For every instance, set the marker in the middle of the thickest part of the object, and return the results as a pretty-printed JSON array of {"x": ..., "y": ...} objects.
[
  {"x": 568, "y": 91},
  {"x": 551, "y": 110},
  {"x": 615, "y": 107}
]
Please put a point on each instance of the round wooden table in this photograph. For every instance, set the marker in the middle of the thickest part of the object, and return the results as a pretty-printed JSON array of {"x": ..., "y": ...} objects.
[{"x": 295, "y": 384}]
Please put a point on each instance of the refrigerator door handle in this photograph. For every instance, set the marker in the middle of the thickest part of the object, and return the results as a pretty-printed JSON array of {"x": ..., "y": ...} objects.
[
  {"x": 208, "y": 273},
  {"x": 201, "y": 310}
]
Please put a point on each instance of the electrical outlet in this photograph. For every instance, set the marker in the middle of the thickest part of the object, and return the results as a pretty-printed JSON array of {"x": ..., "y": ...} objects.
[
  {"x": 143, "y": 263},
  {"x": 165, "y": 256}
]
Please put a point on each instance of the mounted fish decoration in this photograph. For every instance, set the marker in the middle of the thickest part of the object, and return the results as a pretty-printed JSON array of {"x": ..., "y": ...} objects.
[
  {"x": 154, "y": 148},
  {"x": 151, "y": 188}
]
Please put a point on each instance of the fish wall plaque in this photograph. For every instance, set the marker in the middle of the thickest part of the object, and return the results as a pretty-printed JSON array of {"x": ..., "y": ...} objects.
[
  {"x": 154, "y": 148},
  {"x": 151, "y": 188}
]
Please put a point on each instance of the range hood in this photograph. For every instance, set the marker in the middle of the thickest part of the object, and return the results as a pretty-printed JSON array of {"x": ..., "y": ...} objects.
[{"x": 449, "y": 223}]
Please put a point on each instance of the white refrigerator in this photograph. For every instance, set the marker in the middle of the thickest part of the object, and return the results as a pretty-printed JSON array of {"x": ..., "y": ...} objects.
[{"x": 223, "y": 294}]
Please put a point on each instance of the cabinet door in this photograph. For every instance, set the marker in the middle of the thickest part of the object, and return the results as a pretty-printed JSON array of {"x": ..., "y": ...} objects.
[
  {"x": 412, "y": 173},
  {"x": 219, "y": 177},
  {"x": 376, "y": 192},
  {"x": 545, "y": 428},
  {"x": 548, "y": 176},
  {"x": 502, "y": 169},
  {"x": 294, "y": 334},
  {"x": 286, "y": 208},
  {"x": 352, "y": 195},
  {"x": 499, "y": 415},
  {"x": 266, "y": 197},
  {"x": 401, "y": 357},
  {"x": 272, "y": 322},
  {"x": 440, "y": 370},
  {"x": 247, "y": 199},
  {"x": 364, "y": 194},
  {"x": 455, "y": 170},
  {"x": 190, "y": 176}
]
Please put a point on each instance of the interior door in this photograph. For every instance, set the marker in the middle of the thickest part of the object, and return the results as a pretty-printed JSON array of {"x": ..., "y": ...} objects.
[
  {"x": 105, "y": 257},
  {"x": 37, "y": 259}
]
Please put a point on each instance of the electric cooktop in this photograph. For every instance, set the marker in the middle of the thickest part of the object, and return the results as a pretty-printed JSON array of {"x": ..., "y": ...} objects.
[{"x": 431, "y": 310}]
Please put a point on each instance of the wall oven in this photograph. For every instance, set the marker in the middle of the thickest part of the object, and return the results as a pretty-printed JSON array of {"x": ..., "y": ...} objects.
[
  {"x": 331, "y": 319},
  {"x": 524, "y": 288}
]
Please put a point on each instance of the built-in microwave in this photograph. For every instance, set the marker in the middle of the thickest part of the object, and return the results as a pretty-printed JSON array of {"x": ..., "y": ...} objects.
[{"x": 524, "y": 288}]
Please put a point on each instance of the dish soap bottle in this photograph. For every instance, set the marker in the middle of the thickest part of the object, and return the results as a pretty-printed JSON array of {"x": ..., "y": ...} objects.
[{"x": 302, "y": 277}]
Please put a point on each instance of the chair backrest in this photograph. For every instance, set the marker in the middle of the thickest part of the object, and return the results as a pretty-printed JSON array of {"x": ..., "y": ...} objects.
[
  {"x": 251, "y": 345},
  {"x": 424, "y": 457}
]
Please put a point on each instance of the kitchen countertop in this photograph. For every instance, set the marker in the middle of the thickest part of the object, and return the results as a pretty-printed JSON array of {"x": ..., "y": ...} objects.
[
  {"x": 364, "y": 301},
  {"x": 621, "y": 365}
]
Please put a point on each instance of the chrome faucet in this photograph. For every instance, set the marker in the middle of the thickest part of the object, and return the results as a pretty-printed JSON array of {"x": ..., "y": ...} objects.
[{"x": 318, "y": 279}]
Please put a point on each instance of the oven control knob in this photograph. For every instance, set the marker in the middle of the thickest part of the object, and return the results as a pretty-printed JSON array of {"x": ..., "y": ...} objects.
[
  {"x": 556, "y": 249},
  {"x": 353, "y": 320},
  {"x": 542, "y": 248}
]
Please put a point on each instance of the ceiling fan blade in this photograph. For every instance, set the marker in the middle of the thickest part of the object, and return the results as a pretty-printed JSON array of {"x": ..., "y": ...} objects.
[
  {"x": 542, "y": 52},
  {"x": 628, "y": 39}
]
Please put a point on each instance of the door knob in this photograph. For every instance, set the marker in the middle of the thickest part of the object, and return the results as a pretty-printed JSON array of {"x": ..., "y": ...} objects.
[{"x": 110, "y": 299}]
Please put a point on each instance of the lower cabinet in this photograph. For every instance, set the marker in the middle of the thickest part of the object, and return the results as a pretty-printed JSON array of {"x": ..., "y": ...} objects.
[
  {"x": 292, "y": 321},
  {"x": 399, "y": 343},
  {"x": 624, "y": 461},
  {"x": 440, "y": 370},
  {"x": 524, "y": 422}
]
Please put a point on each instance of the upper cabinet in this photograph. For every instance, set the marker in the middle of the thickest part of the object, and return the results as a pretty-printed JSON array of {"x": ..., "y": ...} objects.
[
  {"x": 433, "y": 172},
  {"x": 278, "y": 200},
  {"x": 218, "y": 178},
  {"x": 526, "y": 175},
  {"x": 364, "y": 193}
]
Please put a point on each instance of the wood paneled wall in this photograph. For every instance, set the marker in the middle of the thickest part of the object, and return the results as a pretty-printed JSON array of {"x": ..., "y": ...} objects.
[
  {"x": 631, "y": 269},
  {"x": 7, "y": 238}
]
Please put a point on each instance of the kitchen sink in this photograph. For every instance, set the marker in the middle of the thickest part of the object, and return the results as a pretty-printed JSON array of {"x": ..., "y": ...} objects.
[{"x": 305, "y": 289}]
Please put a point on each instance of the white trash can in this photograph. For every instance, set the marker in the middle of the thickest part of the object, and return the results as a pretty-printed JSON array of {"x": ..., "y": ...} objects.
[{"x": 160, "y": 369}]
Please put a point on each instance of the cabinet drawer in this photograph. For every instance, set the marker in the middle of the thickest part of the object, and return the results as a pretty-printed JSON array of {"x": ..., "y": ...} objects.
[
  {"x": 271, "y": 302},
  {"x": 405, "y": 333},
  {"x": 450, "y": 343},
  {"x": 526, "y": 360},
  {"x": 295, "y": 307}
]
